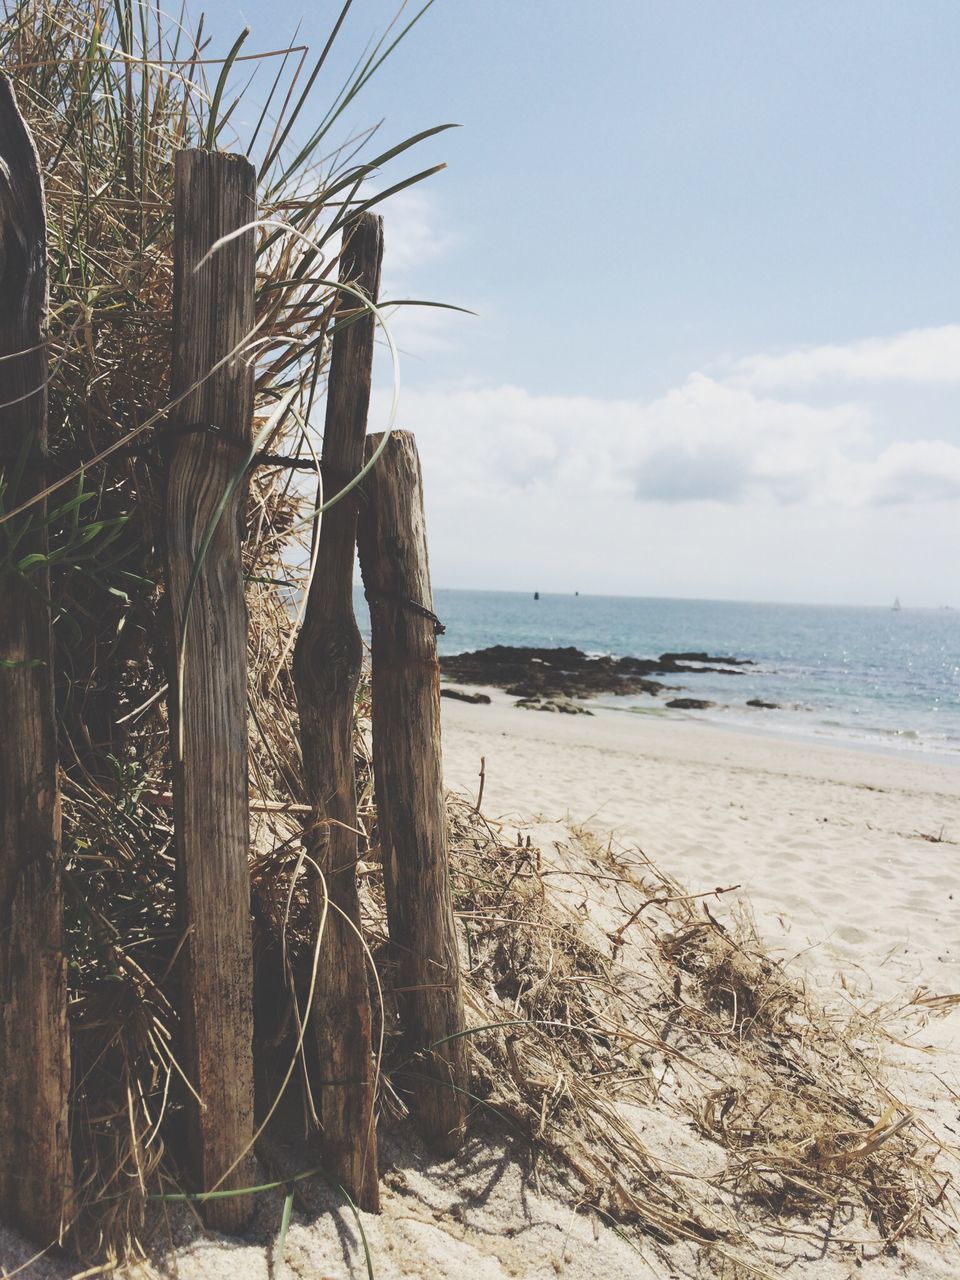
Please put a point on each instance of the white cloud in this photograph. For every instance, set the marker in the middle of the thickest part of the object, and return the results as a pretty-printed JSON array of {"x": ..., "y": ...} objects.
[
  {"x": 703, "y": 441},
  {"x": 915, "y": 471},
  {"x": 710, "y": 440},
  {"x": 929, "y": 357},
  {"x": 415, "y": 234}
]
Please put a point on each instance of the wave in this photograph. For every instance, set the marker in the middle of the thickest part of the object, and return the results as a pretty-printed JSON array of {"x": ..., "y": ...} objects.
[{"x": 785, "y": 723}]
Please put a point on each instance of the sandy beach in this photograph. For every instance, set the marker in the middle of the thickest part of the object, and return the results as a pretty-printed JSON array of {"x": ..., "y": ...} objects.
[{"x": 849, "y": 859}]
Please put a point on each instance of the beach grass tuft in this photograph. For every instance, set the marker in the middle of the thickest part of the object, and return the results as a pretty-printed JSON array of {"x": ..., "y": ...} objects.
[{"x": 110, "y": 92}]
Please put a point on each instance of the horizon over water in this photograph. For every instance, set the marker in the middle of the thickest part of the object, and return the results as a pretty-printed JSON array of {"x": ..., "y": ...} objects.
[{"x": 850, "y": 674}]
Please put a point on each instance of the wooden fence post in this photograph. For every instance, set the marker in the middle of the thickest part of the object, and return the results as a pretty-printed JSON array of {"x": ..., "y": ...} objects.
[
  {"x": 326, "y": 670},
  {"x": 211, "y": 430},
  {"x": 36, "y": 1175},
  {"x": 408, "y": 777}
]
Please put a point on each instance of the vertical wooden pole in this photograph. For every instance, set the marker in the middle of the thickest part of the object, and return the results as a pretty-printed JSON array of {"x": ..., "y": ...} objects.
[
  {"x": 211, "y": 434},
  {"x": 326, "y": 673},
  {"x": 408, "y": 778},
  {"x": 36, "y": 1177}
]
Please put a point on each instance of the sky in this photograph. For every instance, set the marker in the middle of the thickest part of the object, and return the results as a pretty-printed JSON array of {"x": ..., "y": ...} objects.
[{"x": 712, "y": 252}]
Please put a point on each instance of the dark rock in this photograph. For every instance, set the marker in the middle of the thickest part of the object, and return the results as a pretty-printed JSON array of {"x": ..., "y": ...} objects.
[
  {"x": 565, "y": 705},
  {"x": 653, "y": 687},
  {"x": 666, "y": 658},
  {"x": 690, "y": 704},
  {"x": 527, "y": 672},
  {"x": 523, "y": 690},
  {"x": 461, "y": 695},
  {"x": 766, "y": 706}
]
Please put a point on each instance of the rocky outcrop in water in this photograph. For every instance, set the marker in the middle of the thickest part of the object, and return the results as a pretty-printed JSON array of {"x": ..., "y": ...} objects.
[
  {"x": 564, "y": 673},
  {"x": 461, "y": 695},
  {"x": 705, "y": 658},
  {"x": 566, "y": 705}
]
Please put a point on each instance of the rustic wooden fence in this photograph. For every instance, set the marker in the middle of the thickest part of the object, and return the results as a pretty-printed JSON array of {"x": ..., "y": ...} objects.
[
  {"x": 210, "y": 433},
  {"x": 409, "y": 783},
  {"x": 212, "y": 428},
  {"x": 327, "y": 663},
  {"x": 35, "y": 1167}
]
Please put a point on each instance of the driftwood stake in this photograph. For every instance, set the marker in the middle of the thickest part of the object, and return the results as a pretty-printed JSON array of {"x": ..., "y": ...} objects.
[
  {"x": 409, "y": 786},
  {"x": 213, "y": 311},
  {"x": 326, "y": 673},
  {"x": 35, "y": 1168}
]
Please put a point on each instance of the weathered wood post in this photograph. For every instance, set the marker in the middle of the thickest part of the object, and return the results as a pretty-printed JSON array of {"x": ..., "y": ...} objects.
[
  {"x": 36, "y": 1175},
  {"x": 408, "y": 778},
  {"x": 326, "y": 671},
  {"x": 210, "y": 442}
]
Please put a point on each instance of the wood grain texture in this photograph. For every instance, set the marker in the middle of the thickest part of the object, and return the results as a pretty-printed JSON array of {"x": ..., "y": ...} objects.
[
  {"x": 213, "y": 311},
  {"x": 408, "y": 776},
  {"x": 326, "y": 673},
  {"x": 36, "y": 1177}
]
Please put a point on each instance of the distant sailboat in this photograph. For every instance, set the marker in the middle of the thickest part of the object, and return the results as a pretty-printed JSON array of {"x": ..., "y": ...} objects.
[{"x": 896, "y": 606}]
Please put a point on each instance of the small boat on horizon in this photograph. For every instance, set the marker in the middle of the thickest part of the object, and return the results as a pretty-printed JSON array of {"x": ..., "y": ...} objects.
[{"x": 896, "y": 606}]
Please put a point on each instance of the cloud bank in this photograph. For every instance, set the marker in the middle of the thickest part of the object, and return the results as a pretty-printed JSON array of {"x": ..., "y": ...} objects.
[
  {"x": 923, "y": 357},
  {"x": 732, "y": 465},
  {"x": 711, "y": 439}
]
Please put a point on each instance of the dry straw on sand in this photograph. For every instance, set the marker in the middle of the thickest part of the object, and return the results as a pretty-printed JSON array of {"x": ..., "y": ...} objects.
[
  {"x": 651, "y": 1061},
  {"x": 642, "y": 1024},
  {"x": 656, "y": 1062}
]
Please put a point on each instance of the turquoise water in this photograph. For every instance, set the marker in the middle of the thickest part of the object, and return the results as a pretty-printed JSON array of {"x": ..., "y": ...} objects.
[{"x": 868, "y": 676}]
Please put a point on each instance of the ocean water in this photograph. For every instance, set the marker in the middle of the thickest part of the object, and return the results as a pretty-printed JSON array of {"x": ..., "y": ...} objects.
[{"x": 868, "y": 676}]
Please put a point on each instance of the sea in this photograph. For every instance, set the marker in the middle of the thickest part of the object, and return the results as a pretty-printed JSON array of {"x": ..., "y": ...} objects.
[{"x": 868, "y": 677}]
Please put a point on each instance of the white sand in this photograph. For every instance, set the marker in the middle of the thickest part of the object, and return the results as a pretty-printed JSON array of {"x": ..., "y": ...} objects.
[
  {"x": 848, "y": 860},
  {"x": 827, "y": 847},
  {"x": 826, "y": 844}
]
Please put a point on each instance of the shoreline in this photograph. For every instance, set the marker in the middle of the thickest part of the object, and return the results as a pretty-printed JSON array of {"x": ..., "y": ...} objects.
[
  {"x": 776, "y": 731},
  {"x": 799, "y": 695},
  {"x": 767, "y": 725}
]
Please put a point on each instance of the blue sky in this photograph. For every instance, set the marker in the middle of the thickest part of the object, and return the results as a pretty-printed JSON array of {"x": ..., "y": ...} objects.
[{"x": 713, "y": 251}]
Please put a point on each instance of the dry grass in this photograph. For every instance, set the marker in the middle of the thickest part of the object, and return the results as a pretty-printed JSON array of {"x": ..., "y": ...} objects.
[
  {"x": 694, "y": 1090},
  {"x": 657, "y": 1061}
]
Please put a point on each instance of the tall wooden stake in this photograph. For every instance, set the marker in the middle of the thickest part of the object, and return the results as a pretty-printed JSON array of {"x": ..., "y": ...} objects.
[
  {"x": 36, "y": 1176},
  {"x": 409, "y": 786},
  {"x": 213, "y": 310},
  {"x": 326, "y": 673}
]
